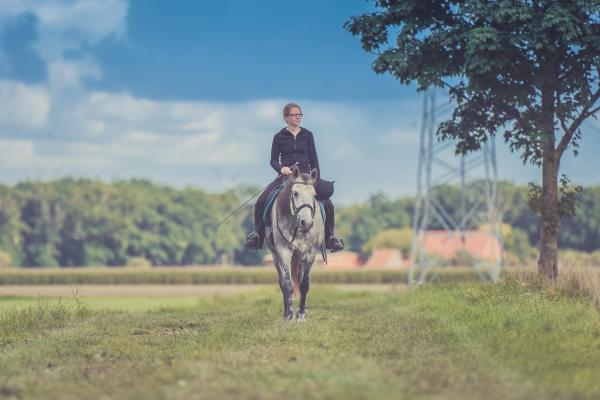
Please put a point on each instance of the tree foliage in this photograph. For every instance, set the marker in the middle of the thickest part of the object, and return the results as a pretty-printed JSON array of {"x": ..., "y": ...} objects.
[
  {"x": 495, "y": 57},
  {"x": 83, "y": 222}
]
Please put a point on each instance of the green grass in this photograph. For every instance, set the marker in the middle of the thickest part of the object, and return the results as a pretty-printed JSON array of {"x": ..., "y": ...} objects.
[
  {"x": 466, "y": 341},
  {"x": 207, "y": 275},
  {"x": 122, "y": 303}
]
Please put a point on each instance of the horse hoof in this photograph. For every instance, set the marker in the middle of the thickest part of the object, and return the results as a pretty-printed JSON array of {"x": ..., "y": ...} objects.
[
  {"x": 301, "y": 317},
  {"x": 289, "y": 317}
]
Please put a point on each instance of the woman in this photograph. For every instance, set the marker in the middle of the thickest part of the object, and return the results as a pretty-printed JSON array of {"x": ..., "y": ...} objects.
[{"x": 290, "y": 145}]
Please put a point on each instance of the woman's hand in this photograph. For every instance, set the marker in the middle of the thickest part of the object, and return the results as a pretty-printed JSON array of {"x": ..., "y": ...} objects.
[{"x": 286, "y": 171}]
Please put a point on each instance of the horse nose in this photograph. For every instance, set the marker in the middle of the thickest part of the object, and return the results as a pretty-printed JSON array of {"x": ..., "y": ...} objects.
[{"x": 305, "y": 225}]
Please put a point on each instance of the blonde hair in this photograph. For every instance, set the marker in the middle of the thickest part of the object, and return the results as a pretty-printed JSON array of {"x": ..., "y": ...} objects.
[{"x": 288, "y": 107}]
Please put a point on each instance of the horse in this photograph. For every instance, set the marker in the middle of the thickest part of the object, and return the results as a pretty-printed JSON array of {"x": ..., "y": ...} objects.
[{"x": 295, "y": 237}]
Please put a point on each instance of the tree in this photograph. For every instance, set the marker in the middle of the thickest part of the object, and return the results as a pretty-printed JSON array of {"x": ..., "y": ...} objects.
[
  {"x": 10, "y": 226},
  {"x": 529, "y": 68}
]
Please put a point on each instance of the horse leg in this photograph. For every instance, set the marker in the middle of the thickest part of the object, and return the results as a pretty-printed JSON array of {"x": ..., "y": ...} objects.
[
  {"x": 286, "y": 286},
  {"x": 304, "y": 286}
]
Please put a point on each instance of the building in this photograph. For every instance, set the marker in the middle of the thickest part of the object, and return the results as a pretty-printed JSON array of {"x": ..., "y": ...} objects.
[{"x": 448, "y": 245}]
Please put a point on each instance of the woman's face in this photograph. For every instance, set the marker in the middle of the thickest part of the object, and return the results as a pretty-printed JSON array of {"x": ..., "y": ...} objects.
[{"x": 294, "y": 116}]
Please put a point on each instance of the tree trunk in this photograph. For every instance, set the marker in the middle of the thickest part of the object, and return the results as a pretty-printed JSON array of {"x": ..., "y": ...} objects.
[{"x": 547, "y": 264}]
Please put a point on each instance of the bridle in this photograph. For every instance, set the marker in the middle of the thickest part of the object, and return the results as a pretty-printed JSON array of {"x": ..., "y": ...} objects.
[{"x": 296, "y": 211}]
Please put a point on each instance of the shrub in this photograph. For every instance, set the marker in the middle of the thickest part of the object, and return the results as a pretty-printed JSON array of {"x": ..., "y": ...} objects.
[
  {"x": 139, "y": 262},
  {"x": 462, "y": 258},
  {"x": 516, "y": 243},
  {"x": 573, "y": 258},
  {"x": 5, "y": 259},
  {"x": 595, "y": 259},
  {"x": 574, "y": 281},
  {"x": 392, "y": 239}
]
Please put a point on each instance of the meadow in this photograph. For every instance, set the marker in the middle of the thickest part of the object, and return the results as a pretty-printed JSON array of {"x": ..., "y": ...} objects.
[{"x": 514, "y": 339}]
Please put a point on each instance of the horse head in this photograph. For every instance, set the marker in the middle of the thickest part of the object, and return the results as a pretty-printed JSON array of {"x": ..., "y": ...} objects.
[{"x": 302, "y": 198}]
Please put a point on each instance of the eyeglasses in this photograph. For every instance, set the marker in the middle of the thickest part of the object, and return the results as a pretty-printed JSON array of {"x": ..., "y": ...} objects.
[{"x": 295, "y": 115}]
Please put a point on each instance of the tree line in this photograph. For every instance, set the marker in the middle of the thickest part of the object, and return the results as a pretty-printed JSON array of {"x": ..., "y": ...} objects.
[{"x": 83, "y": 222}]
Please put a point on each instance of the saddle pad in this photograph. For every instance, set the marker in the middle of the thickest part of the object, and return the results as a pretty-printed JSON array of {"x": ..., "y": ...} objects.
[{"x": 269, "y": 204}]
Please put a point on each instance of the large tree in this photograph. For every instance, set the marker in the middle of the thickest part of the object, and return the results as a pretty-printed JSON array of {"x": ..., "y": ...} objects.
[{"x": 528, "y": 68}]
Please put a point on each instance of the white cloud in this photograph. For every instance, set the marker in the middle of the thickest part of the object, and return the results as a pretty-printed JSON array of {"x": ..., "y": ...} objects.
[
  {"x": 120, "y": 129},
  {"x": 120, "y": 107},
  {"x": 23, "y": 106},
  {"x": 16, "y": 153},
  {"x": 266, "y": 110},
  {"x": 212, "y": 121},
  {"x": 347, "y": 151},
  {"x": 398, "y": 136},
  {"x": 67, "y": 25},
  {"x": 63, "y": 26},
  {"x": 64, "y": 74}
]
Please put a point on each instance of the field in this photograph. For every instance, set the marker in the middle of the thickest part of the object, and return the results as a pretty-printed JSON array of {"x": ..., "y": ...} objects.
[{"x": 466, "y": 341}]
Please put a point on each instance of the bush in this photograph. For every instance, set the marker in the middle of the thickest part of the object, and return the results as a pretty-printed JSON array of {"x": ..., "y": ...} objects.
[
  {"x": 5, "y": 259},
  {"x": 462, "y": 258},
  {"x": 139, "y": 262},
  {"x": 400, "y": 239},
  {"x": 574, "y": 281},
  {"x": 595, "y": 259},
  {"x": 573, "y": 258},
  {"x": 516, "y": 242}
]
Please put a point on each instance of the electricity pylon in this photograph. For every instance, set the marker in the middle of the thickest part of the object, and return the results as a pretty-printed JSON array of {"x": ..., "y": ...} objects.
[{"x": 435, "y": 228}]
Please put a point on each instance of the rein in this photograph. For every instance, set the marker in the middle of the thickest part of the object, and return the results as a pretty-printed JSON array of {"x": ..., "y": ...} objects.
[{"x": 296, "y": 211}]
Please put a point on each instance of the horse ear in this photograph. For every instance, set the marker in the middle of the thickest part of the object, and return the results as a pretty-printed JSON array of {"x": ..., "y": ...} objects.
[
  {"x": 295, "y": 172},
  {"x": 314, "y": 174}
]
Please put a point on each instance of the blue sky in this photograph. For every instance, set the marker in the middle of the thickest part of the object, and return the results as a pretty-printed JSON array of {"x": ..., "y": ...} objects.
[{"x": 190, "y": 93}]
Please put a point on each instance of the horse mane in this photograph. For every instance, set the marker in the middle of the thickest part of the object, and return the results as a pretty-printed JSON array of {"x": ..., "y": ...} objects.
[{"x": 283, "y": 207}]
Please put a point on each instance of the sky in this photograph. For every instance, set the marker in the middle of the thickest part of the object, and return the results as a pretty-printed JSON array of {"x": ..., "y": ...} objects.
[{"x": 190, "y": 94}]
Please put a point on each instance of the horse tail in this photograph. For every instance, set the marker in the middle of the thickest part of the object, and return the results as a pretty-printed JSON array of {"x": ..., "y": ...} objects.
[{"x": 296, "y": 273}]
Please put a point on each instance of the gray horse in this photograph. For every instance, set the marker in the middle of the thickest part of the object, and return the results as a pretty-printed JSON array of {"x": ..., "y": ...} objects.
[{"x": 295, "y": 237}]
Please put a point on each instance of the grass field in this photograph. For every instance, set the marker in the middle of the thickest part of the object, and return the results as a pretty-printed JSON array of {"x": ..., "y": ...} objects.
[{"x": 462, "y": 341}]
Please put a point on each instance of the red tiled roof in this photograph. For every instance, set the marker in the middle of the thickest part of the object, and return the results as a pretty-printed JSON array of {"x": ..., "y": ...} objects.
[
  {"x": 477, "y": 243},
  {"x": 341, "y": 260},
  {"x": 385, "y": 258}
]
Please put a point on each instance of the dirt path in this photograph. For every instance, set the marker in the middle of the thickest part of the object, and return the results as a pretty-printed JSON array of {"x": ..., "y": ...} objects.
[{"x": 158, "y": 290}]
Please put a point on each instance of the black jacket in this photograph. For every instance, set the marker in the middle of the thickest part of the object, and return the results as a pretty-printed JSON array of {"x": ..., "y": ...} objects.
[{"x": 287, "y": 149}]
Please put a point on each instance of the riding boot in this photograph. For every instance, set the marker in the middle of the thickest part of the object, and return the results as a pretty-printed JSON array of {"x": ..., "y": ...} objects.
[
  {"x": 256, "y": 238},
  {"x": 332, "y": 242},
  {"x": 254, "y": 241}
]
